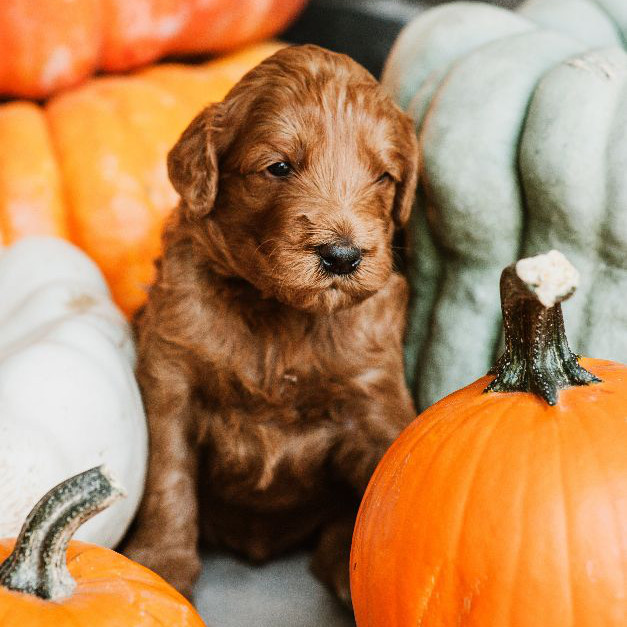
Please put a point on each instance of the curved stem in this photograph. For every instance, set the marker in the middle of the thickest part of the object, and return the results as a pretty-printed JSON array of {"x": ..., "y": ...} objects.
[
  {"x": 37, "y": 564},
  {"x": 537, "y": 357}
]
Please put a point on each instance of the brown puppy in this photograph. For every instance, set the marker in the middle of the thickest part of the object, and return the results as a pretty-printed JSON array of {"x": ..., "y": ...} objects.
[{"x": 270, "y": 346}]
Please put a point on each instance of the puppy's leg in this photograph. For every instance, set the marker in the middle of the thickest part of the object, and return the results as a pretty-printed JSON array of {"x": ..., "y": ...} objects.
[
  {"x": 331, "y": 558},
  {"x": 374, "y": 420},
  {"x": 164, "y": 536}
]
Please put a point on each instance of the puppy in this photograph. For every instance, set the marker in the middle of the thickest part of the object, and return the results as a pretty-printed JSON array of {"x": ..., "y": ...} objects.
[{"x": 270, "y": 345}]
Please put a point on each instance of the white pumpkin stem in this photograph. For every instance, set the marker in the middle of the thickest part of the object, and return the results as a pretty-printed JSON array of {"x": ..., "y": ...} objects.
[
  {"x": 537, "y": 357},
  {"x": 37, "y": 564}
]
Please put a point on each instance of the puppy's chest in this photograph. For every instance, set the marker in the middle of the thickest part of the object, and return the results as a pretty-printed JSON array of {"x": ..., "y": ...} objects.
[
  {"x": 273, "y": 409},
  {"x": 270, "y": 428},
  {"x": 284, "y": 368}
]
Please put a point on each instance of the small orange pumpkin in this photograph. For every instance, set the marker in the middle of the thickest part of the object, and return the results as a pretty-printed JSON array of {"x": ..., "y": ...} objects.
[
  {"x": 505, "y": 503},
  {"x": 97, "y": 587},
  {"x": 91, "y": 165}
]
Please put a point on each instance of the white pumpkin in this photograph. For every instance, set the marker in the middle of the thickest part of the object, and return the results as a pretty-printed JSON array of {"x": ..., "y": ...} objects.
[{"x": 68, "y": 396}]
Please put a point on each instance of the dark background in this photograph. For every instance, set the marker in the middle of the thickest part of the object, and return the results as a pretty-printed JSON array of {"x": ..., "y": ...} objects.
[{"x": 363, "y": 29}]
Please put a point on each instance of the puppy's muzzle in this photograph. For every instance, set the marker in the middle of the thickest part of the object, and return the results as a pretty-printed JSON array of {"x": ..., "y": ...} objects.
[{"x": 339, "y": 258}]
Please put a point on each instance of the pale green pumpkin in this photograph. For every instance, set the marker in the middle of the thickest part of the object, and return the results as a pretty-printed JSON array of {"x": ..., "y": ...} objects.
[{"x": 522, "y": 124}]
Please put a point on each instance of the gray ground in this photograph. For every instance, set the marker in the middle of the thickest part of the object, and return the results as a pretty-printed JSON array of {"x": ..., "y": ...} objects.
[{"x": 283, "y": 593}]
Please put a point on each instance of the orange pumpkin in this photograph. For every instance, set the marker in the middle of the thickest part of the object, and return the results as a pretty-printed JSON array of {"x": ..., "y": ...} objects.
[
  {"x": 91, "y": 165},
  {"x": 96, "y": 586},
  {"x": 506, "y": 508},
  {"x": 46, "y": 45}
]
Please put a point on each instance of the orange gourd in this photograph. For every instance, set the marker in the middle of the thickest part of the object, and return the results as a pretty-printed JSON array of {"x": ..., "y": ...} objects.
[
  {"x": 96, "y": 586},
  {"x": 505, "y": 503},
  {"x": 91, "y": 164},
  {"x": 47, "y": 45}
]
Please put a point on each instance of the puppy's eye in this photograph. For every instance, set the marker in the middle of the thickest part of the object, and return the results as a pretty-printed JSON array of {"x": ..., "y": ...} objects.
[
  {"x": 385, "y": 177},
  {"x": 280, "y": 168}
]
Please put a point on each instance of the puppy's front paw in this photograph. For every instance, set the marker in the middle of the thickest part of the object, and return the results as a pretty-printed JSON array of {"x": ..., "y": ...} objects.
[
  {"x": 330, "y": 562},
  {"x": 178, "y": 566},
  {"x": 334, "y": 575}
]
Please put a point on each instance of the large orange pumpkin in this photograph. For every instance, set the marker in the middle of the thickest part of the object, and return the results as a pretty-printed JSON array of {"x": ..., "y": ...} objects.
[
  {"x": 46, "y": 45},
  {"x": 92, "y": 586},
  {"x": 91, "y": 165},
  {"x": 506, "y": 508}
]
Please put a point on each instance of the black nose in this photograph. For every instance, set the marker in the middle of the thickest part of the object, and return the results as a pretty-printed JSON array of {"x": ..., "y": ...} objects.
[{"x": 338, "y": 258}]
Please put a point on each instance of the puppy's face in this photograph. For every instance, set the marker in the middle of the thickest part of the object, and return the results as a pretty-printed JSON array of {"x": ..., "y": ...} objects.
[{"x": 315, "y": 168}]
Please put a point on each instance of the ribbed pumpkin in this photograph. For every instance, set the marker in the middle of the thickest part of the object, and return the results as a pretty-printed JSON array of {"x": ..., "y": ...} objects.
[
  {"x": 97, "y": 587},
  {"x": 46, "y": 45},
  {"x": 91, "y": 165},
  {"x": 522, "y": 123},
  {"x": 505, "y": 504}
]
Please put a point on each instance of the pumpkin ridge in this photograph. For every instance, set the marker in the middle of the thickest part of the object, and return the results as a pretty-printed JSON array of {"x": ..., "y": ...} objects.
[
  {"x": 597, "y": 276},
  {"x": 423, "y": 285},
  {"x": 148, "y": 583},
  {"x": 559, "y": 446},
  {"x": 136, "y": 133},
  {"x": 64, "y": 192},
  {"x": 154, "y": 617},
  {"x": 559, "y": 216},
  {"x": 30, "y": 201},
  {"x": 469, "y": 479},
  {"x": 521, "y": 543},
  {"x": 122, "y": 114},
  {"x": 450, "y": 434},
  {"x": 610, "y": 18},
  {"x": 578, "y": 413},
  {"x": 424, "y": 613},
  {"x": 613, "y": 499}
]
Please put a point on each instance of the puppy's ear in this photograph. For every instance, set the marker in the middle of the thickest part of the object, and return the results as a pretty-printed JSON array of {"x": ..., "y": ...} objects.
[
  {"x": 193, "y": 164},
  {"x": 406, "y": 189}
]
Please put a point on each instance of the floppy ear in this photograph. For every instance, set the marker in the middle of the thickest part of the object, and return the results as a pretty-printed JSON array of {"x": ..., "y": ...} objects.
[
  {"x": 193, "y": 164},
  {"x": 406, "y": 188}
]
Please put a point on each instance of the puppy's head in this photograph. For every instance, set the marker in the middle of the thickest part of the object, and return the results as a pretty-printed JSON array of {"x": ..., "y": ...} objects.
[{"x": 305, "y": 169}]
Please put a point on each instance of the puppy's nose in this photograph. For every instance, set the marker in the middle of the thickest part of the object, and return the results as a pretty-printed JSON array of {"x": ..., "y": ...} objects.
[{"x": 339, "y": 258}]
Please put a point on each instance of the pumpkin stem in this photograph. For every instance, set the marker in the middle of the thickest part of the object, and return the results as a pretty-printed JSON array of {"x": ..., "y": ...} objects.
[
  {"x": 37, "y": 564},
  {"x": 537, "y": 357}
]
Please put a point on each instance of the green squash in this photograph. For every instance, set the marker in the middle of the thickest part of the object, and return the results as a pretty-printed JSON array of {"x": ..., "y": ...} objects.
[{"x": 522, "y": 123}]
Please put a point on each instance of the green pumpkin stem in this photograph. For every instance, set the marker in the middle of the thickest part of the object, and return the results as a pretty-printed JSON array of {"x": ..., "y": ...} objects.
[
  {"x": 37, "y": 564},
  {"x": 537, "y": 357}
]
